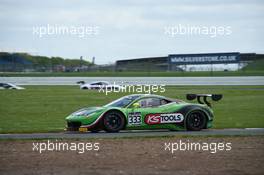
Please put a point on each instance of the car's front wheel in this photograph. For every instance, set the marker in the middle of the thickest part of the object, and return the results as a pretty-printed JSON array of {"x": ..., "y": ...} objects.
[
  {"x": 196, "y": 120},
  {"x": 113, "y": 121}
]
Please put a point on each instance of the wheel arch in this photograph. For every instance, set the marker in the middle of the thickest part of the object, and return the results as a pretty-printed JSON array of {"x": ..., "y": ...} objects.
[
  {"x": 190, "y": 108},
  {"x": 116, "y": 110}
]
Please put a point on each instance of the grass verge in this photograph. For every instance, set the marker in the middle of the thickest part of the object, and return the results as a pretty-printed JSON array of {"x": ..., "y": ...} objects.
[{"x": 44, "y": 108}]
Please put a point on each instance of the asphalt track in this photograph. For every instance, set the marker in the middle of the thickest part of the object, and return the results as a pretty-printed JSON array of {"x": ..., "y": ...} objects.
[
  {"x": 239, "y": 80},
  {"x": 129, "y": 134}
]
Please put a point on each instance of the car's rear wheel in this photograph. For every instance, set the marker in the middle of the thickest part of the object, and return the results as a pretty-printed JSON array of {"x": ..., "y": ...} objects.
[
  {"x": 196, "y": 120},
  {"x": 113, "y": 121}
]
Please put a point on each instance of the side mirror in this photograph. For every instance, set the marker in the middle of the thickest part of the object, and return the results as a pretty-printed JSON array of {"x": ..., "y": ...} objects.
[{"x": 136, "y": 105}]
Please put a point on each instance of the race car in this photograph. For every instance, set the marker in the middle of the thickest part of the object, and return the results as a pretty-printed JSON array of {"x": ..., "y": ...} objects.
[
  {"x": 145, "y": 111},
  {"x": 10, "y": 86},
  {"x": 99, "y": 85}
]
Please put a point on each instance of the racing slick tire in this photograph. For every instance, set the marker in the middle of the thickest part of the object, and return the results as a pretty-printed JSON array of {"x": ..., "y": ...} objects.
[
  {"x": 95, "y": 130},
  {"x": 113, "y": 121},
  {"x": 196, "y": 120}
]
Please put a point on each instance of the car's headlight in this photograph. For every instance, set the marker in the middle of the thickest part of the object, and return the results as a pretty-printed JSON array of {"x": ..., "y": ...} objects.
[
  {"x": 83, "y": 113},
  {"x": 89, "y": 114}
]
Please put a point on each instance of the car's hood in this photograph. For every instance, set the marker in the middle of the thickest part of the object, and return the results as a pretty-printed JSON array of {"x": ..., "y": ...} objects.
[{"x": 85, "y": 112}]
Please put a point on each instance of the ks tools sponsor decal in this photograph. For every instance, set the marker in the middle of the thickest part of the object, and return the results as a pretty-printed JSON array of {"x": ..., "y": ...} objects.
[{"x": 152, "y": 119}]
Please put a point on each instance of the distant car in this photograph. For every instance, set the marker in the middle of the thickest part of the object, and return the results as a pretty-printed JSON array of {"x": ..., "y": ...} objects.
[
  {"x": 10, "y": 86},
  {"x": 146, "y": 111},
  {"x": 97, "y": 85}
]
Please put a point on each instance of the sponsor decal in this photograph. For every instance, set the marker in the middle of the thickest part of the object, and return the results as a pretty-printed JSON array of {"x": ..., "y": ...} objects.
[
  {"x": 134, "y": 118},
  {"x": 152, "y": 119}
]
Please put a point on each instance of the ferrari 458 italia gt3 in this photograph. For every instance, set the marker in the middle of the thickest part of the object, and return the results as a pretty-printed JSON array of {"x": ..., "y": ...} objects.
[{"x": 145, "y": 111}]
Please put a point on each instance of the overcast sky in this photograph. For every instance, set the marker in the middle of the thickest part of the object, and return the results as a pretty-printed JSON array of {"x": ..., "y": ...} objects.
[{"x": 132, "y": 28}]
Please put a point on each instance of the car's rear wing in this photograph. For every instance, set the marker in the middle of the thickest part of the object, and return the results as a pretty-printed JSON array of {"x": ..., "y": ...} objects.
[
  {"x": 214, "y": 97},
  {"x": 80, "y": 82}
]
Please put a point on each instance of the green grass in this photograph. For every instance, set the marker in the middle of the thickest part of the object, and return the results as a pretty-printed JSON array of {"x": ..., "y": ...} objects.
[
  {"x": 44, "y": 108},
  {"x": 134, "y": 74}
]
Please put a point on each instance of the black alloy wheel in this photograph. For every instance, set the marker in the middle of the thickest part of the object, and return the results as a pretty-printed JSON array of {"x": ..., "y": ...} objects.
[
  {"x": 113, "y": 121},
  {"x": 196, "y": 120}
]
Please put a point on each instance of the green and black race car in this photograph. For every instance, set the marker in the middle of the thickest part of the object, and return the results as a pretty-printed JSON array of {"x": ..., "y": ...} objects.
[{"x": 145, "y": 111}]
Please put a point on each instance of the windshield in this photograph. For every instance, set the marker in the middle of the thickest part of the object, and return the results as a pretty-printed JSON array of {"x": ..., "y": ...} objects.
[{"x": 122, "y": 102}]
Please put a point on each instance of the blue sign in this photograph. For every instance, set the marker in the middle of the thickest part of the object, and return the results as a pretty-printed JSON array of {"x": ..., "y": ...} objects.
[{"x": 213, "y": 58}]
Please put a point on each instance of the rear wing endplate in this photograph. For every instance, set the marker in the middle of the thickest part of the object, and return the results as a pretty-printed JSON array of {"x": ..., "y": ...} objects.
[
  {"x": 202, "y": 98},
  {"x": 80, "y": 82}
]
